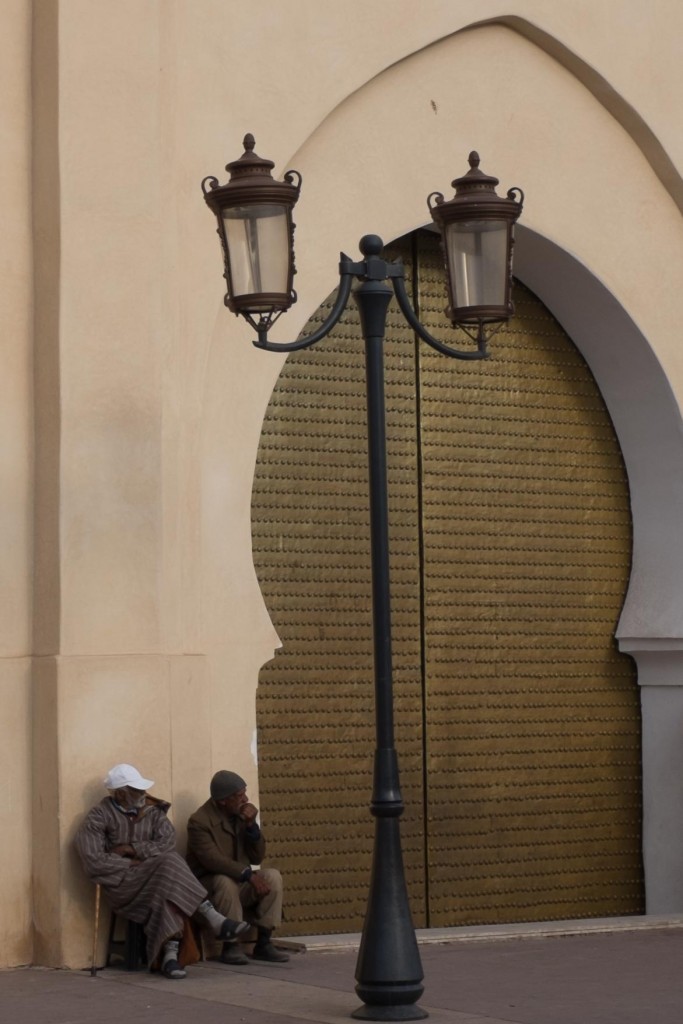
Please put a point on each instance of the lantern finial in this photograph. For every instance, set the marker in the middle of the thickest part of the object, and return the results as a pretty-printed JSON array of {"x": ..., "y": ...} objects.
[{"x": 250, "y": 162}]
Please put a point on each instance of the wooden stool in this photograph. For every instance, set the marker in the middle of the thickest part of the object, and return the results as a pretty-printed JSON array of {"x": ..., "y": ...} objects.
[{"x": 131, "y": 948}]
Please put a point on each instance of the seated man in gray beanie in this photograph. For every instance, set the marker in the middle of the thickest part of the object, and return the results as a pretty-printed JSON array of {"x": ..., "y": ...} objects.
[{"x": 223, "y": 842}]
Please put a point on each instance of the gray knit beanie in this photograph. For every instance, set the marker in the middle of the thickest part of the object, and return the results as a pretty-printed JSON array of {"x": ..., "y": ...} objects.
[{"x": 224, "y": 784}]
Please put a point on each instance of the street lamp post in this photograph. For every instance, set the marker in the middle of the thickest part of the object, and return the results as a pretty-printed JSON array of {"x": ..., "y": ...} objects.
[{"x": 254, "y": 215}]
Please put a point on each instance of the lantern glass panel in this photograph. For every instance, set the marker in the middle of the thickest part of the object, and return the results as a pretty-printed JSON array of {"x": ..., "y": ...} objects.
[
  {"x": 259, "y": 247},
  {"x": 478, "y": 258}
]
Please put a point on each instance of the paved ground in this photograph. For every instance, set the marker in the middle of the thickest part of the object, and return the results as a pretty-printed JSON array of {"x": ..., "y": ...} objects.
[{"x": 630, "y": 974}]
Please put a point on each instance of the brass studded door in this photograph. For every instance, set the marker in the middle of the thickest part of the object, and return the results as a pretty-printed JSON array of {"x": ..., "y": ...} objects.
[{"x": 517, "y": 719}]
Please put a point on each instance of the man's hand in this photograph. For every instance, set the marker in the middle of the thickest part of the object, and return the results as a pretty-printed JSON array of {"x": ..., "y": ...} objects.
[
  {"x": 124, "y": 851},
  {"x": 261, "y": 887},
  {"x": 248, "y": 813}
]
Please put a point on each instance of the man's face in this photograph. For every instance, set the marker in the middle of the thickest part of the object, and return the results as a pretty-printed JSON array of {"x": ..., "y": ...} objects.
[
  {"x": 131, "y": 799},
  {"x": 234, "y": 804}
]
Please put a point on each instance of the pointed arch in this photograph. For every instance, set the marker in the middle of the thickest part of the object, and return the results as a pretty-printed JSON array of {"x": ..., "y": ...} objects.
[{"x": 587, "y": 160}]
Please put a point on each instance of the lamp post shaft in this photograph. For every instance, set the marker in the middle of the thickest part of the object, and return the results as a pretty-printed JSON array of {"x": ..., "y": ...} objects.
[
  {"x": 389, "y": 971},
  {"x": 373, "y": 299}
]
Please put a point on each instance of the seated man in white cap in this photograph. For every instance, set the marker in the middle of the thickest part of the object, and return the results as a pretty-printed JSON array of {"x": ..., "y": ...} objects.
[
  {"x": 224, "y": 841},
  {"x": 127, "y": 845}
]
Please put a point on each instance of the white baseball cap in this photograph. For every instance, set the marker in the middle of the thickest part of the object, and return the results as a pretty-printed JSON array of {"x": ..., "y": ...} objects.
[{"x": 123, "y": 775}]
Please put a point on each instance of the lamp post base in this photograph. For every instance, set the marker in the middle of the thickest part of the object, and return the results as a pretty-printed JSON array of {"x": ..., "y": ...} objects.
[
  {"x": 389, "y": 971},
  {"x": 410, "y": 1011}
]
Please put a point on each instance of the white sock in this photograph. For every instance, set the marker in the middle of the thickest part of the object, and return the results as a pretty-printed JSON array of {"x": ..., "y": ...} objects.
[
  {"x": 213, "y": 918},
  {"x": 170, "y": 951}
]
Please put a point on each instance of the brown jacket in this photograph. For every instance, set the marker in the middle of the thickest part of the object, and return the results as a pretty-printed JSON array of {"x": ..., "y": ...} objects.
[{"x": 218, "y": 843}]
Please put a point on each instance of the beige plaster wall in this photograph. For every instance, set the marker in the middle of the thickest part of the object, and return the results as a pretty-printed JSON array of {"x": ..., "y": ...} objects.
[
  {"x": 16, "y": 933},
  {"x": 16, "y": 469},
  {"x": 113, "y": 329},
  {"x": 150, "y": 619},
  {"x": 16, "y": 289}
]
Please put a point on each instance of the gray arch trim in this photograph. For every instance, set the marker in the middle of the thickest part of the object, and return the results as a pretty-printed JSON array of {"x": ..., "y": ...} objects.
[{"x": 648, "y": 423}]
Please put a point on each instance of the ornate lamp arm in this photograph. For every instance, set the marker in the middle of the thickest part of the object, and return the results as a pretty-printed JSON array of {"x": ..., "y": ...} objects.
[
  {"x": 370, "y": 269},
  {"x": 347, "y": 269},
  {"x": 409, "y": 314}
]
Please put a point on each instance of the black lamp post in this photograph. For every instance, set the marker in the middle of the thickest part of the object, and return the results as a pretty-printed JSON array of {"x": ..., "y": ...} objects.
[{"x": 256, "y": 231}]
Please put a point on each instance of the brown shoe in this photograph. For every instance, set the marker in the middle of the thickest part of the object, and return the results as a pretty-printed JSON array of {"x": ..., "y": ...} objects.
[
  {"x": 232, "y": 954},
  {"x": 267, "y": 951}
]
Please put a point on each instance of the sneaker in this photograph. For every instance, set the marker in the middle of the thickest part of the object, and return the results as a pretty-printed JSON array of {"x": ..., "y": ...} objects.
[
  {"x": 231, "y": 929},
  {"x": 267, "y": 951},
  {"x": 232, "y": 954},
  {"x": 172, "y": 969}
]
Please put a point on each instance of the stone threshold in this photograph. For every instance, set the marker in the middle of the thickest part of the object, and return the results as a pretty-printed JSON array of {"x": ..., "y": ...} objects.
[{"x": 500, "y": 932}]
